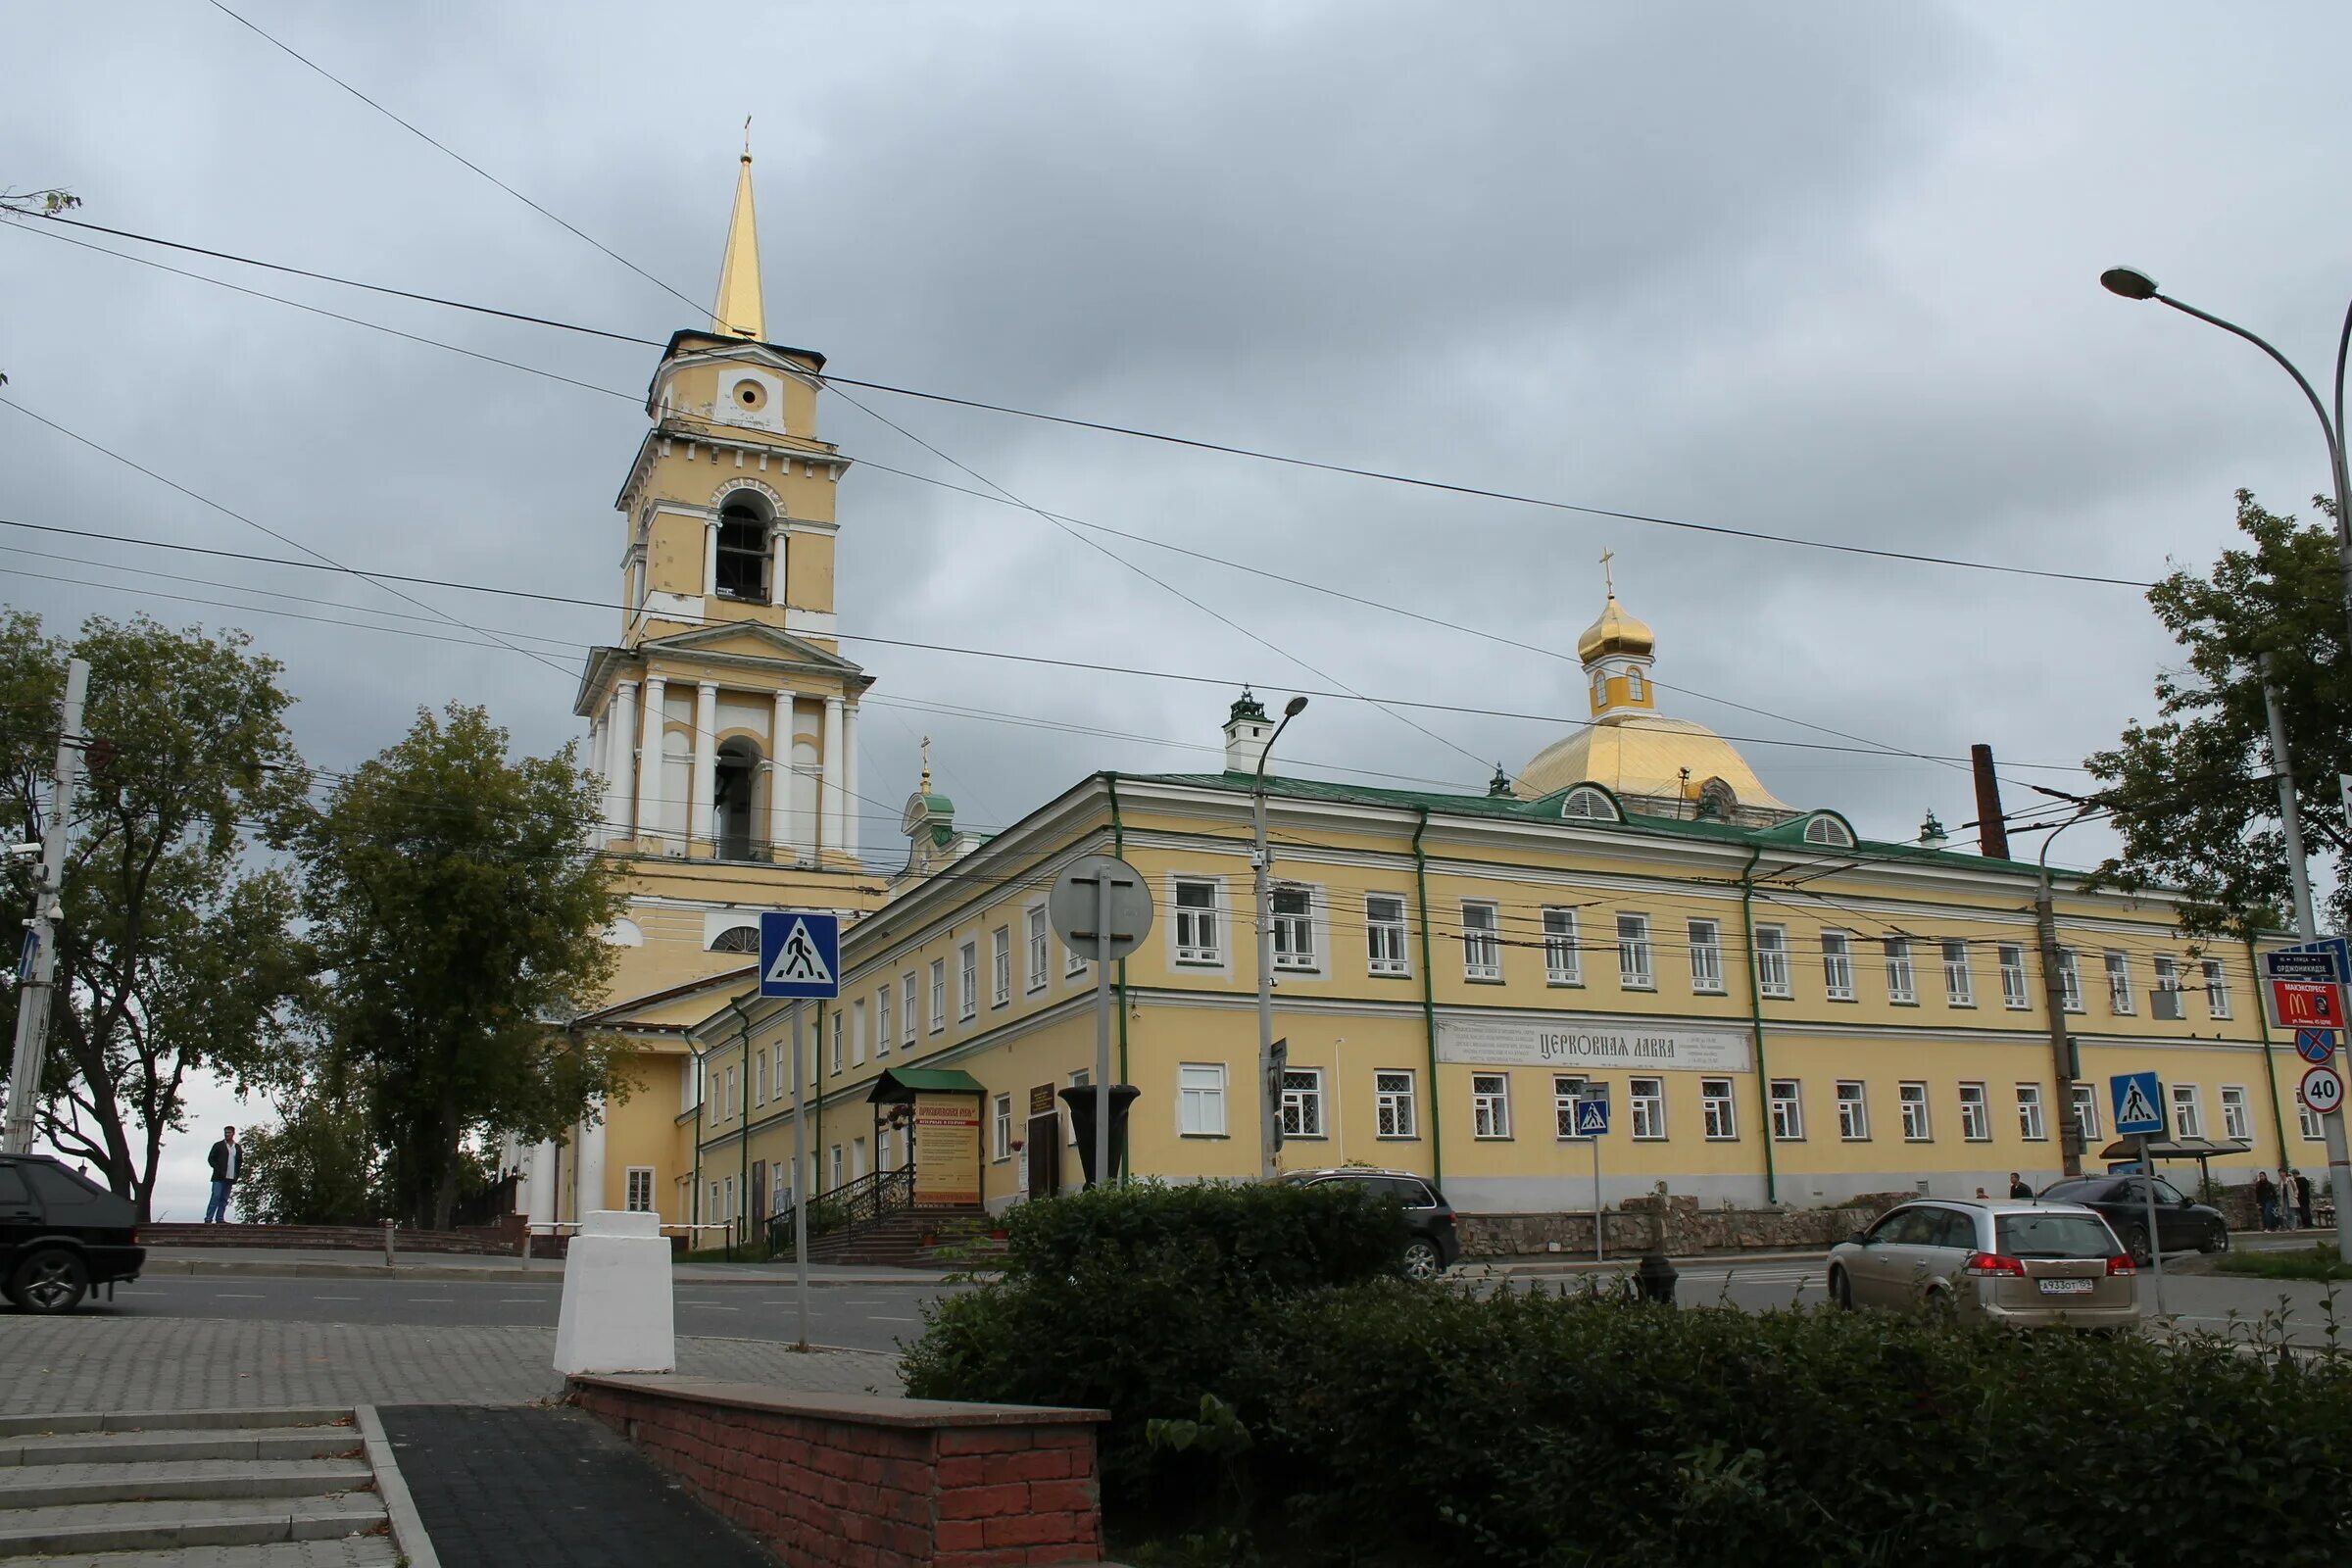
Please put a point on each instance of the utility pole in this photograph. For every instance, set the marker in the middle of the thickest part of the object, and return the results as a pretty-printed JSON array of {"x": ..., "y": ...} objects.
[
  {"x": 2307, "y": 925},
  {"x": 1269, "y": 1072},
  {"x": 2063, "y": 1065},
  {"x": 38, "y": 987}
]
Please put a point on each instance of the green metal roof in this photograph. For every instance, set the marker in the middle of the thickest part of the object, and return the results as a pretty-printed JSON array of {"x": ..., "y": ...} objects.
[{"x": 897, "y": 1083}]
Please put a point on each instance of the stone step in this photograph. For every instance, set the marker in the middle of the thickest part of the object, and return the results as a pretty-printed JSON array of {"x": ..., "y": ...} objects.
[
  {"x": 39, "y": 1485},
  {"x": 102, "y": 1527},
  {"x": 218, "y": 1443},
  {"x": 351, "y": 1551},
  {"x": 11, "y": 1426}
]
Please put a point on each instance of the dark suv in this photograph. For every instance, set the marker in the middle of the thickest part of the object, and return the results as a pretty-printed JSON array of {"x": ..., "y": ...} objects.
[
  {"x": 60, "y": 1234},
  {"x": 1432, "y": 1245}
]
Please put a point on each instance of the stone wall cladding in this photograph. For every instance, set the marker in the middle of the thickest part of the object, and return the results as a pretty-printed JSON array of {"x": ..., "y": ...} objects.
[
  {"x": 1679, "y": 1227},
  {"x": 871, "y": 1483}
]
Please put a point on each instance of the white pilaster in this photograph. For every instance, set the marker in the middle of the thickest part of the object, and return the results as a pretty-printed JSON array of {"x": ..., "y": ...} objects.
[
  {"x": 591, "y": 1194},
  {"x": 648, "y": 762},
  {"x": 620, "y": 761},
  {"x": 850, "y": 803},
  {"x": 829, "y": 798},
  {"x": 779, "y": 561},
  {"x": 703, "y": 820},
  {"x": 539, "y": 1164},
  {"x": 779, "y": 775},
  {"x": 711, "y": 556}
]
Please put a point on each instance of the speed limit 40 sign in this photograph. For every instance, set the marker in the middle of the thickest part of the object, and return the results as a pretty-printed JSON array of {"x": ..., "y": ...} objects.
[{"x": 2323, "y": 1091}]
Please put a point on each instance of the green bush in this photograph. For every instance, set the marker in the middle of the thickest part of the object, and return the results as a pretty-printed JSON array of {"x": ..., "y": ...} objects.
[{"x": 2315, "y": 1262}]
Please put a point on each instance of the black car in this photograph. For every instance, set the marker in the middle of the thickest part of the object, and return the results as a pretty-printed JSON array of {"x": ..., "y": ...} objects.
[
  {"x": 2182, "y": 1225},
  {"x": 1432, "y": 1245},
  {"x": 60, "y": 1234}
]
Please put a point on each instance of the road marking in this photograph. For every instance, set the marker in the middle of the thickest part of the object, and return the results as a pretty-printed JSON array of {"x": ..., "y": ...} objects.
[
  {"x": 142, "y": 1292},
  {"x": 528, "y": 1301},
  {"x": 879, "y": 1317},
  {"x": 235, "y": 1295},
  {"x": 443, "y": 1300},
  {"x": 709, "y": 1307},
  {"x": 335, "y": 1297}
]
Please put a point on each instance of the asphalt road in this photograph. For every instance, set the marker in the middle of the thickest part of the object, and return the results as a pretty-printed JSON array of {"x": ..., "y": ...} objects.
[{"x": 861, "y": 1317}]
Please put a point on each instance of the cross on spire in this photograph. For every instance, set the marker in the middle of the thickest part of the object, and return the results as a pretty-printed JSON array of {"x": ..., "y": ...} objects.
[
  {"x": 926, "y": 785},
  {"x": 1607, "y": 576}
]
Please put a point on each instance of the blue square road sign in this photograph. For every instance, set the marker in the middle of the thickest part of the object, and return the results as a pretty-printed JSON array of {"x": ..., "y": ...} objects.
[
  {"x": 1592, "y": 1117},
  {"x": 2138, "y": 1102},
  {"x": 800, "y": 955}
]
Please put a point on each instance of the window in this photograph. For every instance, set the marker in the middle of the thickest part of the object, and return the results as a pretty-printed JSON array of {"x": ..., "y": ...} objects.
[
  {"x": 1078, "y": 1080},
  {"x": 1976, "y": 1117},
  {"x": 1837, "y": 966},
  {"x": 1787, "y": 1110},
  {"x": 1293, "y": 928},
  {"x": 1914, "y": 1099},
  {"x": 1633, "y": 685},
  {"x": 911, "y": 998},
  {"x": 882, "y": 1020},
  {"x": 639, "y": 1187},
  {"x": 1827, "y": 829},
  {"x": 730, "y": 1211},
  {"x": 1853, "y": 1112},
  {"x": 1587, "y": 803},
  {"x": 743, "y": 535},
  {"x": 2188, "y": 1111},
  {"x": 2235, "y": 1122},
  {"x": 999, "y": 966},
  {"x": 730, "y": 1101},
  {"x": 1384, "y": 934},
  {"x": 1073, "y": 962},
  {"x": 1715, "y": 1110},
  {"x": 1481, "y": 940},
  {"x": 1565, "y": 1093},
  {"x": 1302, "y": 1102},
  {"x": 760, "y": 1079},
  {"x": 1633, "y": 970},
  {"x": 2119, "y": 984},
  {"x": 834, "y": 1179},
  {"x": 1393, "y": 1114},
  {"x": 2087, "y": 1113},
  {"x": 967, "y": 999},
  {"x": 1039, "y": 950},
  {"x": 1646, "y": 1103},
  {"x": 2216, "y": 990},
  {"x": 2164, "y": 994},
  {"x": 2031, "y": 1125},
  {"x": 939, "y": 995},
  {"x": 737, "y": 939},
  {"x": 1706, "y": 955},
  {"x": 2013, "y": 977},
  {"x": 2309, "y": 1122},
  {"x": 1563, "y": 964},
  {"x": 1772, "y": 960},
  {"x": 1491, "y": 1105},
  {"x": 1959, "y": 981},
  {"x": 2070, "y": 981},
  {"x": 1196, "y": 923},
  {"x": 837, "y": 1040},
  {"x": 1000, "y": 1127},
  {"x": 1200, "y": 1098},
  {"x": 1900, "y": 986}
]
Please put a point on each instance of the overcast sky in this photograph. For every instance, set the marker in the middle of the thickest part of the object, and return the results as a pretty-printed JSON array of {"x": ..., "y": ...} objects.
[{"x": 1829, "y": 270}]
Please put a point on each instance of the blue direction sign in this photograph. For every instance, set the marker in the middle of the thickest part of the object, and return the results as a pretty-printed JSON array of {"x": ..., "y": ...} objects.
[
  {"x": 1592, "y": 1117},
  {"x": 2314, "y": 1044},
  {"x": 2329, "y": 962},
  {"x": 800, "y": 955},
  {"x": 2138, "y": 1102}
]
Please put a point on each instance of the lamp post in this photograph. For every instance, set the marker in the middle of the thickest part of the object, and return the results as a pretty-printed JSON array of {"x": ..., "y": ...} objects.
[
  {"x": 1270, "y": 1121},
  {"x": 2063, "y": 1065},
  {"x": 2132, "y": 284}
]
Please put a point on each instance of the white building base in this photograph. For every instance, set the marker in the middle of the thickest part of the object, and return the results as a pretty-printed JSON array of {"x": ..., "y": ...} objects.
[{"x": 616, "y": 1314}]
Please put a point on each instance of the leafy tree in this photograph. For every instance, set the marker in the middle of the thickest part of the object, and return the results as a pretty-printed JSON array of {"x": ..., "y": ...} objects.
[
  {"x": 174, "y": 951},
  {"x": 316, "y": 1167},
  {"x": 2194, "y": 795},
  {"x": 459, "y": 909}
]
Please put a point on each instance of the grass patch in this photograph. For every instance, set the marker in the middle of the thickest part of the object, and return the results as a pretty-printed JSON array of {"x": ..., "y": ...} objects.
[{"x": 2315, "y": 1262}]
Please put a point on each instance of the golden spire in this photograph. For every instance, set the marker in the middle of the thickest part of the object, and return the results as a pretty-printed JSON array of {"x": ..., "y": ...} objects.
[{"x": 738, "y": 311}]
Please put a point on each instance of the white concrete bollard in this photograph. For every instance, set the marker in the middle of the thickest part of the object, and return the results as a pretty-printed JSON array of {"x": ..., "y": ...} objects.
[{"x": 616, "y": 1314}]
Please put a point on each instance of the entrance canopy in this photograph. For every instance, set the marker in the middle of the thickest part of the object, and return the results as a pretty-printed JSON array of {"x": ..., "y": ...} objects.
[
  {"x": 2176, "y": 1149},
  {"x": 899, "y": 1085}
]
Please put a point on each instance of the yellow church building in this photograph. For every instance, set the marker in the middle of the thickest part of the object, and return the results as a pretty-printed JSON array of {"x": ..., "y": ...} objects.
[{"x": 1783, "y": 1012}]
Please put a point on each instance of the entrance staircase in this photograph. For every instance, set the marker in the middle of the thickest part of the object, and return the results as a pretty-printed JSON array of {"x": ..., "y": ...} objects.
[{"x": 918, "y": 1238}]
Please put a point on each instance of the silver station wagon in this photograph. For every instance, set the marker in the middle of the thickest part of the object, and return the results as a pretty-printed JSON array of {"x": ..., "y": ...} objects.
[{"x": 2019, "y": 1262}]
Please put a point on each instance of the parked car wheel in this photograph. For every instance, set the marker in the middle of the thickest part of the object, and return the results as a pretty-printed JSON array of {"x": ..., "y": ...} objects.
[
  {"x": 2215, "y": 1240},
  {"x": 1842, "y": 1290},
  {"x": 1421, "y": 1260},
  {"x": 2135, "y": 1242},
  {"x": 51, "y": 1279},
  {"x": 1939, "y": 1306}
]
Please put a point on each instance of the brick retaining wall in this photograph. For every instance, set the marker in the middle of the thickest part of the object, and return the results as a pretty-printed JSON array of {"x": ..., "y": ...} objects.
[
  {"x": 1688, "y": 1229},
  {"x": 875, "y": 1483}
]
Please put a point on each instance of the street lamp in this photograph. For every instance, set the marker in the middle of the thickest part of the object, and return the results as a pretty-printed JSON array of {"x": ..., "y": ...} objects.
[
  {"x": 2132, "y": 284},
  {"x": 1269, "y": 1125}
]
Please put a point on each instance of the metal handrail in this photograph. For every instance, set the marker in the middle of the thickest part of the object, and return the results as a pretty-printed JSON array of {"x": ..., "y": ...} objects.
[{"x": 871, "y": 1197}]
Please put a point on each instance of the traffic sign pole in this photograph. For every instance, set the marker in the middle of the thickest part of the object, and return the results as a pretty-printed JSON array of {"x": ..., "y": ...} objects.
[
  {"x": 1600, "y": 1231},
  {"x": 800, "y": 1171},
  {"x": 2314, "y": 975},
  {"x": 2148, "y": 1190}
]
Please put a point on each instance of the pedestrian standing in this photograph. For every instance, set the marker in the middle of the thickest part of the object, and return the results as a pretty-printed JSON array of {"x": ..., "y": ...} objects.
[
  {"x": 2018, "y": 1185},
  {"x": 2286, "y": 1198},
  {"x": 2302, "y": 1201},
  {"x": 228, "y": 1163},
  {"x": 2265, "y": 1199}
]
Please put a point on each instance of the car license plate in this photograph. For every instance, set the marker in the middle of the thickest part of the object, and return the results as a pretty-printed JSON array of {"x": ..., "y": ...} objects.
[{"x": 2066, "y": 1286}]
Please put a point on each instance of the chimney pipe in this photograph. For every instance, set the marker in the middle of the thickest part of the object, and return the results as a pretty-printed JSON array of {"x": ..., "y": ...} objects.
[{"x": 1992, "y": 830}]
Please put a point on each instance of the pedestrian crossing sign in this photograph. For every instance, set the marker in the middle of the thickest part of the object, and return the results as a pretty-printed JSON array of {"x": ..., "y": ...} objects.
[
  {"x": 1592, "y": 1117},
  {"x": 2138, "y": 1102},
  {"x": 800, "y": 955}
]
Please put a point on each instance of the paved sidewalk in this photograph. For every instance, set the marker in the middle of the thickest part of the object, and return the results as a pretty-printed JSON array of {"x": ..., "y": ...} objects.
[
  {"x": 321, "y": 1263},
  {"x": 49, "y": 1365}
]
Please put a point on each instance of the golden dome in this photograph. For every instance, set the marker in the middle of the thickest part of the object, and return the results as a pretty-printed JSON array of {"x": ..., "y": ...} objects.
[
  {"x": 1615, "y": 633},
  {"x": 1637, "y": 754}
]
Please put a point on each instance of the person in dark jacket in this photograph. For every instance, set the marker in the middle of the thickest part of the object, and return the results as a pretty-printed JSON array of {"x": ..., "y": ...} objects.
[
  {"x": 2265, "y": 1199},
  {"x": 2302, "y": 1188},
  {"x": 2019, "y": 1187},
  {"x": 228, "y": 1163}
]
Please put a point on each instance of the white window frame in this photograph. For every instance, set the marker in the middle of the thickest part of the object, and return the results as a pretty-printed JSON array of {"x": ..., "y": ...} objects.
[
  {"x": 858, "y": 1032},
  {"x": 1395, "y": 1107},
  {"x": 1706, "y": 958},
  {"x": 1069, "y": 1122},
  {"x": 2015, "y": 995},
  {"x": 2237, "y": 1115},
  {"x": 2070, "y": 981},
  {"x": 1838, "y": 965},
  {"x": 1000, "y": 966},
  {"x": 637, "y": 1190},
  {"x": 882, "y": 1030},
  {"x": 1490, "y": 1106},
  {"x": 1853, "y": 1111},
  {"x": 2188, "y": 1109},
  {"x": 939, "y": 996},
  {"x": 728, "y": 1100},
  {"x": 910, "y": 1001},
  {"x": 2166, "y": 970},
  {"x": 1636, "y": 955},
  {"x": 1073, "y": 962},
  {"x": 2087, "y": 1112},
  {"x": 1902, "y": 981},
  {"x": 2217, "y": 988},
  {"x": 967, "y": 974},
  {"x": 1294, "y": 929},
  {"x": 1482, "y": 940},
  {"x": 759, "y": 1076},
  {"x": 1302, "y": 1104},
  {"x": 2309, "y": 1124},
  {"x": 1000, "y": 1117},
  {"x": 1386, "y": 938},
  {"x": 1787, "y": 1110},
  {"x": 1196, "y": 932},
  {"x": 1959, "y": 974},
  {"x": 1563, "y": 959},
  {"x": 1772, "y": 962},
  {"x": 1976, "y": 1114},
  {"x": 835, "y": 1167},
  {"x": 1041, "y": 948},
  {"x": 1566, "y": 1093},
  {"x": 1919, "y": 1122},
  {"x": 1718, "y": 1114},
  {"x": 1645, "y": 1108},
  {"x": 2120, "y": 1000},
  {"x": 837, "y": 1068},
  {"x": 1200, "y": 1099},
  {"x": 2033, "y": 1118}
]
